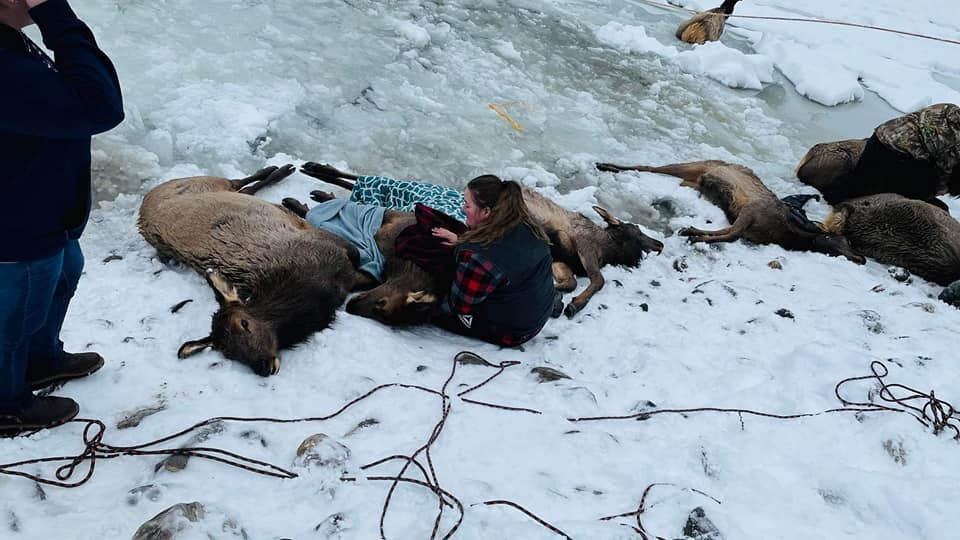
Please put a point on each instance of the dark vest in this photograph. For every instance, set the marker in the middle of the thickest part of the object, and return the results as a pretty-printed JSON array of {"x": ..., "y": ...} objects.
[
  {"x": 45, "y": 147},
  {"x": 524, "y": 304}
]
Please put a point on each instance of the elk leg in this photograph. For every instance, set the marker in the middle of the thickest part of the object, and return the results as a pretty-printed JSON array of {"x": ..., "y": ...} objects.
[
  {"x": 322, "y": 196},
  {"x": 256, "y": 177},
  {"x": 591, "y": 264},
  {"x": 689, "y": 173},
  {"x": 363, "y": 281},
  {"x": 328, "y": 174},
  {"x": 563, "y": 276},
  {"x": 295, "y": 206},
  {"x": 274, "y": 177},
  {"x": 728, "y": 234}
]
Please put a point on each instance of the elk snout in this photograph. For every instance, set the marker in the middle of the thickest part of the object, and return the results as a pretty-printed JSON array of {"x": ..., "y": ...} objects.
[
  {"x": 268, "y": 367},
  {"x": 651, "y": 244}
]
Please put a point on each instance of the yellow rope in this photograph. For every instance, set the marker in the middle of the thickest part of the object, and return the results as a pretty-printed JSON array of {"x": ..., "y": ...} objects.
[
  {"x": 501, "y": 110},
  {"x": 799, "y": 19}
]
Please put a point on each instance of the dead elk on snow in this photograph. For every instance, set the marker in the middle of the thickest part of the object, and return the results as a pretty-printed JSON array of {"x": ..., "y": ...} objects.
[
  {"x": 754, "y": 212},
  {"x": 276, "y": 279}
]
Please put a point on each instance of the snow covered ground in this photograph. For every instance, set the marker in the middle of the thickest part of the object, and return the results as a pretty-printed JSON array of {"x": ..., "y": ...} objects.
[{"x": 402, "y": 88}]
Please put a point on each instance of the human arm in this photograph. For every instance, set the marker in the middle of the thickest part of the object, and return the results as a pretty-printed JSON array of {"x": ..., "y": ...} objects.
[
  {"x": 449, "y": 237},
  {"x": 475, "y": 279},
  {"x": 78, "y": 99}
]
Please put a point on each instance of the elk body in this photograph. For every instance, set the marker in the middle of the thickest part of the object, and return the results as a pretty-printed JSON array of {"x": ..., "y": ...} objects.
[
  {"x": 579, "y": 247},
  {"x": 905, "y": 232},
  {"x": 706, "y": 26},
  {"x": 406, "y": 293},
  {"x": 754, "y": 212},
  {"x": 836, "y": 170},
  {"x": 276, "y": 279}
]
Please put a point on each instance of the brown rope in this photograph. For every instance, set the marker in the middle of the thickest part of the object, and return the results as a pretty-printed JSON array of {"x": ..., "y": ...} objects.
[
  {"x": 807, "y": 20},
  {"x": 933, "y": 412},
  {"x": 531, "y": 514},
  {"x": 643, "y": 502},
  {"x": 95, "y": 448},
  {"x": 438, "y": 491}
]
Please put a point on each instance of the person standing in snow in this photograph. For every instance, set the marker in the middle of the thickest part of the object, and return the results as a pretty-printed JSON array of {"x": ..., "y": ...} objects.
[
  {"x": 916, "y": 155},
  {"x": 49, "y": 110}
]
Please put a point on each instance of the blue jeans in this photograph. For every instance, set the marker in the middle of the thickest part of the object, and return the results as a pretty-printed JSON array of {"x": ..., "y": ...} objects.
[{"x": 34, "y": 296}]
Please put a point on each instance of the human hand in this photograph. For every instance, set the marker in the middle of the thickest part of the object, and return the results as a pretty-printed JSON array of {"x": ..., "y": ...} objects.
[{"x": 446, "y": 235}]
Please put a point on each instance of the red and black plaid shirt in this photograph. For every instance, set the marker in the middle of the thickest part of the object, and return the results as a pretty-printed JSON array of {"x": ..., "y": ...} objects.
[{"x": 475, "y": 279}]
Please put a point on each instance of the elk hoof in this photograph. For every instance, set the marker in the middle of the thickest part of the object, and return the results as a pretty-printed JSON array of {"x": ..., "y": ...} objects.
[
  {"x": 557, "y": 306},
  {"x": 295, "y": 206},
  {"x": 319, "y": 170},
  {"x": 571, "y": 310},
  {"x": 322, "y": 196},
  {"x": 608, "y": 167},
  {"x": 268, "y": 367}
]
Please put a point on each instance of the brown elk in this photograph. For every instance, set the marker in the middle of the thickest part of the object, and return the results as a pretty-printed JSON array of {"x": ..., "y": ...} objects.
[
  {"x": 706, "y": 26},
  {"x": 579, "y": 247},
  {"x": 905, "y": 232},
  {"x": 754, "y": 212},
  {"x": 276, "y": 279},
  {"x": 407, "y": 293},
  {"x": 832, "y": 168},
  {"x": 827, "y": 166}
]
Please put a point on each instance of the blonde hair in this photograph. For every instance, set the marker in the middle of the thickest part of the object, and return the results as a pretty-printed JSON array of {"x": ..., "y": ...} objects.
[{"x": 507, "y": 210}]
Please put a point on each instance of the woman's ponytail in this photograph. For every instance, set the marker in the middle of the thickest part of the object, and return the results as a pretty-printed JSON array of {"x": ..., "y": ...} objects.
[{"x": 507, "y": 210}]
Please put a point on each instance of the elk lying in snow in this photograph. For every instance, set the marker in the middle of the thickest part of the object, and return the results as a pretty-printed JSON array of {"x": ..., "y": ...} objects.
[
  {"x": 826, "y": 166},
  {"x": 906, "y": 232},
  {"x": 754, "y": 212},
  {"x": 831, "y": 168},
  {"x": 276, "y": 279},
  {"x": 406, "y": 293},
  {"x": 706, "y": 26},
  {"x": 579, "y": 247}
]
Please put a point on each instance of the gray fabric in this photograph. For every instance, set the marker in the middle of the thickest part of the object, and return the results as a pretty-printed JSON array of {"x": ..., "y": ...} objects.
[{"x": 356, "y": 223}]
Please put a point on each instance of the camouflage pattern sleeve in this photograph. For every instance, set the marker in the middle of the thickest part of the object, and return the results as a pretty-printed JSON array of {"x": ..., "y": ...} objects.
[{"x": 931, "y": 134}]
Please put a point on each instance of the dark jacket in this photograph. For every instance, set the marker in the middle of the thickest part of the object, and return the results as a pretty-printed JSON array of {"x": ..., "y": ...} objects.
[
  {"x": 47, "y": 116},
  {"x": 507, "y": 284}
]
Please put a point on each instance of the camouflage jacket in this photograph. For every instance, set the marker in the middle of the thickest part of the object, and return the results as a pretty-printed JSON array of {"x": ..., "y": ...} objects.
[{"x": 931, "y": 134}]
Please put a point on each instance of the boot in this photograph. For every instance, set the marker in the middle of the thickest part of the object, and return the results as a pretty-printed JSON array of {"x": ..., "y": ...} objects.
[
  {"x": 74, "y": 366},
  {"x": 38, "y": 413}
]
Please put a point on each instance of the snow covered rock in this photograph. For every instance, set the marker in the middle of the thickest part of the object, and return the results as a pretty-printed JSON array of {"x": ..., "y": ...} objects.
[
  {"x": 951, "y": 294},
  {"x": 321, "y": 450},
  {"x": 186, "y": 521},
  {"x": 699, "y": 526}
]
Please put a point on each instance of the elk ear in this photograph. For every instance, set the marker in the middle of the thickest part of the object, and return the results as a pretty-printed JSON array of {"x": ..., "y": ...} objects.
[
  {"x": 191, "y": 348},
  {"x": 225, "y": 291},
  {"x": 607, "y": 216},
  {"x": 420, "y": 297}
]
